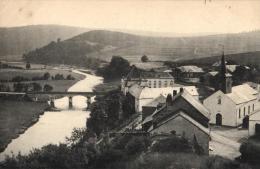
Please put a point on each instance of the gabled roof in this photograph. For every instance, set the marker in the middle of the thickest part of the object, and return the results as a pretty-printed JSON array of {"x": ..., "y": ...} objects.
[
  {"x": 155, "y": 92},
  {"x": 190, "y": 99},
  {"x": 242, "y": 93},
  {"x": 191, "y": 68},
  {"x": 136, "y": 73},
  {"x": 185, "y": 116},
  {"x": 195, "y": 103},
  {"x": 156, "y": 101}
]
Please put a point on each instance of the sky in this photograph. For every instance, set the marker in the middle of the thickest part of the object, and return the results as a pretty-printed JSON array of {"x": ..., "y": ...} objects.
[{"x": 175, "y": 16}]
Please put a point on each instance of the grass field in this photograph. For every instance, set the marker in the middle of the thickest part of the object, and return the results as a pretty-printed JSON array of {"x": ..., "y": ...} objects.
[
  {"x": 8, "y": 74},
  {"x": 15, "y": 117}
]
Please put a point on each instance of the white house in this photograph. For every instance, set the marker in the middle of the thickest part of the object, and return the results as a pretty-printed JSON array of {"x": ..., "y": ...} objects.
[
  {"x": 145, "y": 95},
  {"x": 150, "y": 79},
  {"x": 230, "y": 109}
]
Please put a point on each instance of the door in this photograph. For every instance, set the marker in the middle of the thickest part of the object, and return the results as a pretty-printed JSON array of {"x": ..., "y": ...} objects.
[
  {"x": 218, "y": 119},
  {"x": 245, "y": 122},
  {"x": 257, "y": 129}
]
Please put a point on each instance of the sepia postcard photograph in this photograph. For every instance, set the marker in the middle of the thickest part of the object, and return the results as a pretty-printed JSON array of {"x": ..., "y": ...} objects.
[{"x": 129, "y": 84}]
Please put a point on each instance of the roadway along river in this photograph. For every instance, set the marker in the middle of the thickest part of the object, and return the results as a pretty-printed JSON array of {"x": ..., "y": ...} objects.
[{"x": 54, "y": 127}]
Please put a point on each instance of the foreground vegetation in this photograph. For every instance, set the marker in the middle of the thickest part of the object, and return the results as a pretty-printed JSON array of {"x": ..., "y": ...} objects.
[{"x": 124, "y": 152}]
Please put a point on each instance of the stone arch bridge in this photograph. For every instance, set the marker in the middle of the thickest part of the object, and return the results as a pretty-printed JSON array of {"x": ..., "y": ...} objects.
[{"x": 52, "y": 95}]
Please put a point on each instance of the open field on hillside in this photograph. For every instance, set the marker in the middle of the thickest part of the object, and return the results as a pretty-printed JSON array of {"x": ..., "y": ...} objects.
[{"x": 15, "y": 117}]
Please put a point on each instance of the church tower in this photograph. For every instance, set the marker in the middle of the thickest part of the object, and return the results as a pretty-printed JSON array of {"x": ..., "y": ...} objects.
[{"x": 225, "y": 78}]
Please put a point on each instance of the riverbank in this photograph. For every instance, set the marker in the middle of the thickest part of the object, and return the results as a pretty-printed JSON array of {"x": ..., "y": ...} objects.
[{"x": 16, "y": 117}]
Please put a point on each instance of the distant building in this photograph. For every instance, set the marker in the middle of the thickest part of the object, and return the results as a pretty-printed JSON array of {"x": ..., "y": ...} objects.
[
  {"x": 183, "y": 116},
  {"x": 151, "y": 79},
  {"x": 231, "y": 106},
  {"x": 190, "y": 73}
]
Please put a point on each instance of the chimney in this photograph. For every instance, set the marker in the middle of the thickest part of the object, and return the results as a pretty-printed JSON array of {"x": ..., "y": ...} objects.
[{"x": 174, "y": 93}]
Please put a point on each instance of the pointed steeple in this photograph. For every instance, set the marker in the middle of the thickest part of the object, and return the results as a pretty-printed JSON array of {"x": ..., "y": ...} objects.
[{"x": 225, "y": 78}]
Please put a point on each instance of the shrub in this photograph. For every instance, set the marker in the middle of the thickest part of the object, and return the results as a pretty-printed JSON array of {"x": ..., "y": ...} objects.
[
  {"x": 172, "y": 144},
  {"x": 69, "y": 77},
  {"x": 137, "y": 144},
  {"x": 250, "y": 151},
  {"x": 47, "y": 88}
]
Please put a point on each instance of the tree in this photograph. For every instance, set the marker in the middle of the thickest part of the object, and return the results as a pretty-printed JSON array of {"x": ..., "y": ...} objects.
[
  {"x": 36, "y": 87},
  {"x": 47, "y": 88},
  {"x": 69, "y": 77},
  {"x": 144, "y": 58},
  {"x": 28, "y": 65},
  {"x": 46, "y": 76}
]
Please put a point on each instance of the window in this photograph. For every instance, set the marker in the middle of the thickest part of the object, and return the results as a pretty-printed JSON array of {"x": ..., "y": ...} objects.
[
  {"x": 165, "y": 83},
  {"x": 160, "y": 84},
  {"x": 154, "y": 84},
  {"x": 171, "y": 83},
  {"x": 253, "y": 107},
  {"x": 219, "y": 100},
  {"x": 239, "y": 115},
  {"x": 248, "y": 109},
  {"x": 244, "y": 111}
]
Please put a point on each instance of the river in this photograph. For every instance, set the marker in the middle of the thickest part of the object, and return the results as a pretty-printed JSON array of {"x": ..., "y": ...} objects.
[{"x": 54, "y": 127}]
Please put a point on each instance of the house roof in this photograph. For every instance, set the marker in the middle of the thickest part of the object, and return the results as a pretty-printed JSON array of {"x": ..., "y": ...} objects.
[
  {"x": 255, "y": 116},
  {"x": 213, "y": 73},
  {"x": 242, "y": 93},
  {"x": 190, "y": 99},
  {"x": 156, "y": 101},
  {"x": 136, "y": 73},
  {"x": 155, "y": 75},
  {"x": 195, "y": 103},
  {"x": 190, "y": 68},
  {"x": 185, "y": 116},
  {"x": 231, "y": 68},
  {"x": 147, "y": 92}
]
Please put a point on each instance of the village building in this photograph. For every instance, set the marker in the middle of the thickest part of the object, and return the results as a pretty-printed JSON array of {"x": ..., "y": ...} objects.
[
  {"x": 254, "y": 124},
  {"x": 189, "y": 73},
  {"x": 150, "y": 79},
  {"x": 143, "y": 96},
  {"x": 183, "y": 116},
  {"x": 231, "y": 106}
]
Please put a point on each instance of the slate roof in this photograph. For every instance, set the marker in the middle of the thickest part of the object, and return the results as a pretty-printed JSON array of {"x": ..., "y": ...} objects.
[
  {"x": 242, "y": 93},
  {"x": 146, "y": 92},
  {"x": 156, "y": 101},
  {"x": 136, "y": 73},
  {"x": 191, "y": 68},
  {"x": 195, "y": 103}
]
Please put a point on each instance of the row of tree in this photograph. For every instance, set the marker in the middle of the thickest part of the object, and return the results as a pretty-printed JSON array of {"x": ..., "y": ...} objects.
[
  {"x": 25, "y": 87},
  {"x": 45, "y": 76}
]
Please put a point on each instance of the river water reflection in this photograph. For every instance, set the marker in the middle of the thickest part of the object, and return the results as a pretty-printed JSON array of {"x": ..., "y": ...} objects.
[{"x": 54, "y": 127}]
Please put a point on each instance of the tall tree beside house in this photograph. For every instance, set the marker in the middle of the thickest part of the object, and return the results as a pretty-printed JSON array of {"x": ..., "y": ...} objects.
[{"x": 117, "y": 68}]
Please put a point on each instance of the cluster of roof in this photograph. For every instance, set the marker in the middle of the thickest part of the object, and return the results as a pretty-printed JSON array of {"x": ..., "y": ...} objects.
[
  {"x": 145, "y": 92},
  {"x": 191, "y": 68},
  {"x": 189, "y": 99}
]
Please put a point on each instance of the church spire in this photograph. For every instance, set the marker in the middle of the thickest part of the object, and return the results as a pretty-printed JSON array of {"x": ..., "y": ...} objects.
[{"x": 225, "y": 78}]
